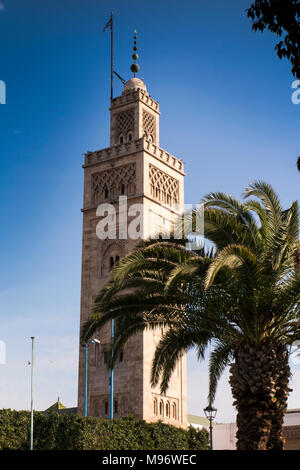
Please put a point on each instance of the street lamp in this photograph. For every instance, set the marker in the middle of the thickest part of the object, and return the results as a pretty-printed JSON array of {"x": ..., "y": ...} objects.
[
  {"x": 210, "y": 413},
  {"x": 93, "y": 341},
  {"x": 31, "y": 413}
]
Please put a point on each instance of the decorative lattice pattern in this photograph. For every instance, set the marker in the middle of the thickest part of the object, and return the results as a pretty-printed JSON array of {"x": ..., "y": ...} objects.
[
  {"x": 111, "y": 183},
  {"x": 124, "y": 122},
  {"x": 163, "y": 187},
  {"x": 149, "y": 125}
]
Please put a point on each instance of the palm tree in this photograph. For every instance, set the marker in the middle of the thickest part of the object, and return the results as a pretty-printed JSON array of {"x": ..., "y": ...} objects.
[{"x": 242, "y": 298}]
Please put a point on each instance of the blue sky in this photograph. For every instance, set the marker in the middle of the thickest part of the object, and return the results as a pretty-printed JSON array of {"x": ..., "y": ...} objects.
[{"x": 226, "y": 109}]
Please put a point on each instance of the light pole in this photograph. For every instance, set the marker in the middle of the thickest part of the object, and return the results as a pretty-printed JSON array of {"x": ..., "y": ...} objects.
[
  {"x": 31, "y": 418},
  {"x": 93, "y": 341},
  {"x": 112, "y": 373},
  {"x": 210, "y": 413}
]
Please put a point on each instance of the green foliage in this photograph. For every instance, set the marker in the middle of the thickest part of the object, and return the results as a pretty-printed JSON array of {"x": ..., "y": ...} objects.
[
  {"x": 283, "y": 19},
  {"x": 54, "y": 431},
  {"x": 14, "y": 429},
  {"x": 198, "y": 439}
]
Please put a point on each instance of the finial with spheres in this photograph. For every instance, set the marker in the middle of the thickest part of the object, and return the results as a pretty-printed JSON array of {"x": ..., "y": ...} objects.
[{"x": 135, "y": 67}]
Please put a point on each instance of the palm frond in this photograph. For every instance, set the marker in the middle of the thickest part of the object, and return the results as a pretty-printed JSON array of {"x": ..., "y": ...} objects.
[
  {"x": 271, "y": 203},
  {"x": 233, "y": 256},
  {"x": 173, "y": 343},
  {"x": 219, "y": 359}
]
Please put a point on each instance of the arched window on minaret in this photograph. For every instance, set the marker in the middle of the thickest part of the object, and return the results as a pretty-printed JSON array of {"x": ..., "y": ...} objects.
[
  {"x": 174, "y": 411},
  {"x": 129, "y": 136},
  {"x": 168, "y": 409},
  {"x": 105, "y": 357},
  {"x": 121, "y": 139},
  {"x": 155, "y": 406},
  {"x": 161, "y": 408},
  {"x": 111, "y": 262}
]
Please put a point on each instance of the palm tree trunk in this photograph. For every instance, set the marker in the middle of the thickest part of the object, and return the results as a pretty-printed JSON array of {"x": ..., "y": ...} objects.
[
  {"x": 259, "y": 383},
  {"x": 276, "y": 440}
]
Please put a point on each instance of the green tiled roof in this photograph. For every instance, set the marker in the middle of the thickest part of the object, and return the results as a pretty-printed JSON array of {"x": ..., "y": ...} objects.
[
  {"x": 193, "y": 419},
  {"x": 56, "y": 406},
  {"x": 60, "y": 408}
]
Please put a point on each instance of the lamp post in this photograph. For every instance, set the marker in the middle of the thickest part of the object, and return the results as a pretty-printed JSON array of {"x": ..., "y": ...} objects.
[
  {"x": 112, "y": 373},
  {"x": 93, "y": 341},
  {"x": 210, "y": 413},
  {"x": 31, "y": 414}
]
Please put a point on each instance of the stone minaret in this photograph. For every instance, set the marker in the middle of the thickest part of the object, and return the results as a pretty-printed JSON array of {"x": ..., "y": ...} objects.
[{"x": 136, "y": 167}]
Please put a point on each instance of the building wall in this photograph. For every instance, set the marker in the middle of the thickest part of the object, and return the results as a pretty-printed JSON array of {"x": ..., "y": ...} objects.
[
  {"x": 292, "y": 418},
  {"x": 292, "y": 437},
  {"x": 224, "y": 434},
  {"x": 148, "y": 173}
]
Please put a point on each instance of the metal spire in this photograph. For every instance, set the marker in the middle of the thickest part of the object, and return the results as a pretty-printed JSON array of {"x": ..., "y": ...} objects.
[
  {"x": 109, "y": 25},
  {"x": 135, "y": 67}
]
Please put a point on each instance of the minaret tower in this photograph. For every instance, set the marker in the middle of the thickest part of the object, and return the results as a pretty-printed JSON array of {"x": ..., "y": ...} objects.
[{"x": 136, "y": 167}]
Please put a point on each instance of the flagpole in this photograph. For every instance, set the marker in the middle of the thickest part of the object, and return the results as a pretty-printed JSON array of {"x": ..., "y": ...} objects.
[
  {"x": 111, "y": 55},
  {"x": 112, "y": 373},
  {"x": 31, "y": 414}
]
